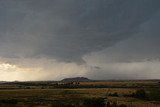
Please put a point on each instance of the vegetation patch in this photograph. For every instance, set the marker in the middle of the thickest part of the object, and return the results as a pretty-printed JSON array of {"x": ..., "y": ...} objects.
[
  {"x": 8, "y": 101},
  {"x": 140, "y": 94},
  {"x": 154, "y": 95},
  {"x": 113, "y": 95},
  {"x": 114, "y": 104},
  {"x": 94, "y": 102}
]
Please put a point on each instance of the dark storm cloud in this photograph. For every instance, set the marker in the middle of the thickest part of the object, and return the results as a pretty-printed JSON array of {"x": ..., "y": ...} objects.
[
  {"x": 141, "y": 47},
  {"x": 69, "y": 29},
  {"x": 137, "y": 57}
]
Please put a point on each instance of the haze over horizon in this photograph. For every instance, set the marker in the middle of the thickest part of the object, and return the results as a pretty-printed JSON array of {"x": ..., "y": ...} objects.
[{"x": 98, "y": 39}]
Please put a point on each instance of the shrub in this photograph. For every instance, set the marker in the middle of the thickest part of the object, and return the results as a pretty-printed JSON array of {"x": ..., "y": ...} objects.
[
  {"x": 140, "y": 94},
  {"x": 154, "y": 95},
  {"x": 114, "y": 94},
  {"x": 122, "y": 105},
  {"x": 108, "y": 104},
  {"x": 114, "y": 104},
  {"x": 133, "y": 95},
  {"x": 9, "y": 101},
  {"x": 61, "y": 105},
  {"x": 94, "y": 102}
]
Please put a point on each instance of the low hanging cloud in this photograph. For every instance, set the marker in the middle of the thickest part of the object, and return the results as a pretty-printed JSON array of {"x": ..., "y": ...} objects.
[
  {"x": 70, "y": 34},
  {"x": 133, "y": 70},
  {"x": 38, "y": 69}
]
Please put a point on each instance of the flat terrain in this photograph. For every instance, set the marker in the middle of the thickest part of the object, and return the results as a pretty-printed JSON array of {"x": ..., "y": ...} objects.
[{"x": 74, "y": 94}]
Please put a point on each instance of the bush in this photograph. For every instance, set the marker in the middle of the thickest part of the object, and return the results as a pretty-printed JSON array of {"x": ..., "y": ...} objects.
[
  {"x": 108, "y": 104},
  {"x": 94, "y": 102},
  {"x": 61, "y": 105},
  {"x": 122, "y": 105},
  {"x": 140, "y": 94},
  {"x": 9, "y": 101},
  {"x": 133, "y": 95},
  {"x": 114, "y": 94},
  {"x": 154, "y": 95},
  {"x": 114, "y": 104}
]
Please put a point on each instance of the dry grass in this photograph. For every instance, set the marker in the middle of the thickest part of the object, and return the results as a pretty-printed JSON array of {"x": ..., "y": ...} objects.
[{"x": 46, "y": 97}]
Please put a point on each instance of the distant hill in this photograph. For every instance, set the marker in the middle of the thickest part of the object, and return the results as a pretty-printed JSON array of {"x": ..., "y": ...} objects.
[
  {"x": 76, "y": 79},
  {"x": 1, "y": 82}
]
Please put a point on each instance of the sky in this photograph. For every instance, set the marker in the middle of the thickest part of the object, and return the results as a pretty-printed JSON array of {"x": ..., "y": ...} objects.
[{"x": 98, "y": 39}]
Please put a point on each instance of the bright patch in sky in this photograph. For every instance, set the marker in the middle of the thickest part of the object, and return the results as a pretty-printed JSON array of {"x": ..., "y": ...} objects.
[{"x": 12, "y": 72}]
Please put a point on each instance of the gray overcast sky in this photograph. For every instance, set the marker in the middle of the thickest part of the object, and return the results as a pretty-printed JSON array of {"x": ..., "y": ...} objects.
[{"x": 100, "y": 39}]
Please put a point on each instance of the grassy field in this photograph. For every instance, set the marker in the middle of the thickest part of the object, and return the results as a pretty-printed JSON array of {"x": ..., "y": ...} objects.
[{"x": 36, "y": 96}]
